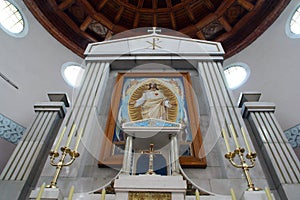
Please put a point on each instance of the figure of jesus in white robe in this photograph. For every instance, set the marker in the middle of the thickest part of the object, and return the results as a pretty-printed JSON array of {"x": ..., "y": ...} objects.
[{"x": 154, "y": 103}]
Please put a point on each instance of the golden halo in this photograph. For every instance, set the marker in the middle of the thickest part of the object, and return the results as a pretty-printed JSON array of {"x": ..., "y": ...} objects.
[{"x": 135, "y": 112}]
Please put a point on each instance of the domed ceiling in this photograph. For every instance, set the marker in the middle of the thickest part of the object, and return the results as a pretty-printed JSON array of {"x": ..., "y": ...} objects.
[{"x": 234, "y": 23}]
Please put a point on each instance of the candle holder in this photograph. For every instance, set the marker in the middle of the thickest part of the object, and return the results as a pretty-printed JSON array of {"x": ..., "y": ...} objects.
[
  {"x": 61, "y": 163},
  {"x": 239, "y": 152}
]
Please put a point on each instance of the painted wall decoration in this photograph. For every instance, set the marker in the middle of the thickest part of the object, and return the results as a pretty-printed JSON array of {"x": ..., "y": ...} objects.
[
  {"x": 293, "y": 136},
  {"x": 10, "y": 130}
]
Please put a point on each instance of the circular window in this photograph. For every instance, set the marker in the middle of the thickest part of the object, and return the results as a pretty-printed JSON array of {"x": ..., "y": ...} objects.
[
  {"x": 72, "y": 73},
  {"x": 236, "y": 75},
  {"x": 12, "y": 19},
  {"x": 293, "y": 23}
]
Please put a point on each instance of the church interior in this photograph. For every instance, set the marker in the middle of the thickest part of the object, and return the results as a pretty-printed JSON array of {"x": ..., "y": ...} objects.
[{"x": 153, "y": 115}]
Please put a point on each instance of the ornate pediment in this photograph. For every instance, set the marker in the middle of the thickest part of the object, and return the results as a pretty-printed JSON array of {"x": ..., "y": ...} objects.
[{"x": 154, "y": 44}]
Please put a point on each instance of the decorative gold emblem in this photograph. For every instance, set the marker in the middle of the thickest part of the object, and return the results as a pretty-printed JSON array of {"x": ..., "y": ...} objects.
[
  {"x": 149, "y": 196},
  {"x": 154, "y": 43}
]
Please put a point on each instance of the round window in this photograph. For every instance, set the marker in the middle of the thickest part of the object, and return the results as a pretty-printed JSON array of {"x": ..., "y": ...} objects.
[
  {"x": 236, "y": 75},
  {"x": 72, "y": 73},
  {"x": 293, "y": 23},
  {"x": 12, "y": 20}
]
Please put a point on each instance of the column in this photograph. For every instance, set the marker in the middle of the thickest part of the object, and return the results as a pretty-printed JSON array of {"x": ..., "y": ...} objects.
[
  {"x": 129, "y": 163},
  {"x": 86, "y": 105},
  {"x": 24, "y": 166},
  {"x": 89, "y": 95},
  {"x": 127, "y": 155},
  {"x": 281, "y": 162},
  {"x": 224, "y": 112},
  {"x": 174, "y": 155}
]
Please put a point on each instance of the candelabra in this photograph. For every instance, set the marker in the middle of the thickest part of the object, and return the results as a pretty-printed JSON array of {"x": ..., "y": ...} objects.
[
  {"x": 65, "y": 150},
  {"x": 61, "y": 163},
  {"x": 239, "y": 152}
]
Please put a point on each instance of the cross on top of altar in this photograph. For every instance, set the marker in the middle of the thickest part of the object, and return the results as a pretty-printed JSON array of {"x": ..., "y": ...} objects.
[{"x": 151, "y": 153}]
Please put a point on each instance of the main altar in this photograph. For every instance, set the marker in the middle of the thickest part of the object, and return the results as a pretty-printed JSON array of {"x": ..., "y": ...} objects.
[{"x": 135, "y": 181}]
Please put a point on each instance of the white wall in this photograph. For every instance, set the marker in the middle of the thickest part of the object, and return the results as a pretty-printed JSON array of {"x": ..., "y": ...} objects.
[
  {"x": 33, "y": 63},
  {"x": 275, "y": 68}
]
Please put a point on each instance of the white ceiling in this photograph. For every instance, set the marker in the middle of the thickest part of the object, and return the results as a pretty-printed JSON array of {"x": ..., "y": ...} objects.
[{"x": 33, "y": 63}]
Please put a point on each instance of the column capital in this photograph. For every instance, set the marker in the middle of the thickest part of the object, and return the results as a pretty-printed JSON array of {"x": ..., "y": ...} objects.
[
  {"x": 248, "y": 97},
  {"x": 59, "y": 97},
  {"x": 51, "y": 107},
  {"x": 257, "y": 107}
]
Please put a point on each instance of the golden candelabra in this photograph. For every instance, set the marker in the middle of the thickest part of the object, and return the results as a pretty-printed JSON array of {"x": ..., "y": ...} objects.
[
  {"x": 239, "y": 152},
  {"x": 61, "y": 163},
  {"x": 73, "y": 154}
]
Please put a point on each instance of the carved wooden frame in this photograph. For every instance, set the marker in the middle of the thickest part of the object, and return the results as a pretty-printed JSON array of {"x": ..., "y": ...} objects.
[{"x": 106, "y": 157}]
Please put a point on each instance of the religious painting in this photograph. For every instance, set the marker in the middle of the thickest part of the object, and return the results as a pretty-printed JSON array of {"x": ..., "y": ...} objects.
[{"x": 166, "y": 97}]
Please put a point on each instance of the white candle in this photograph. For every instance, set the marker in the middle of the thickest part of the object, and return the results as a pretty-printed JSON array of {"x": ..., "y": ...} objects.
[
  {"x": 78, "y": 140},
  {"x": 60, "y": 139},
  {"x": 234, "y": 136},
  {"x": 226, "y": 140},
  {"x": 246, "y": 141},
  {"x": 71, "y": 135},
  {"x": 233, "y": 197},
  {"x": 41, "y": 192},
  {"x": 103, "y": 193},
  {"x": 197, "y": 195},
  {"x": 70, "y": 197},
  {"x": 268, "y": 193}
]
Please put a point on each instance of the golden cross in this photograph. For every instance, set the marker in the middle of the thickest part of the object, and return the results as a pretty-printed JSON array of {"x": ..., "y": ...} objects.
[{"x": 151, "y": 153}]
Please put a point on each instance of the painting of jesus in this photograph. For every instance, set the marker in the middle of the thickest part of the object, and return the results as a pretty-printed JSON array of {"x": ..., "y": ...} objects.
[{"x": 155, "y": 96}]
